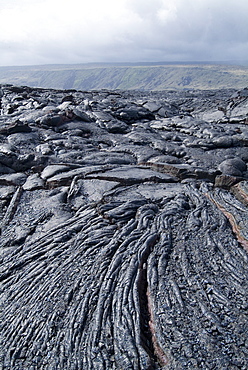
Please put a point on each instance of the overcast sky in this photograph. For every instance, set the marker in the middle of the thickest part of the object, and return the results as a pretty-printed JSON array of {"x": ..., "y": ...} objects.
[{"x": 80, "y": 31}]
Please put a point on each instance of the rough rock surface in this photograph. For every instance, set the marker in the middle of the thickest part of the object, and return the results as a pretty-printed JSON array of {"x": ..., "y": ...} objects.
[{"x": 124, "y": 229}]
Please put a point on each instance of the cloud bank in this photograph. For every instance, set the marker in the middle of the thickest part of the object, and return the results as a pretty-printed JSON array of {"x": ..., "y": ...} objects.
[{"x": 80, "y": 31}]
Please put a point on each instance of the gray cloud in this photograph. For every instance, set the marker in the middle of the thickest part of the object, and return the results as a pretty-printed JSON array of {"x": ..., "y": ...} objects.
[{"x": 57, "y": 31}]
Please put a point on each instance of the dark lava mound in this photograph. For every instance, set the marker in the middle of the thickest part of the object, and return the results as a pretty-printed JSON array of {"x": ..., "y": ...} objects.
[{"x": 124, "y": 229}]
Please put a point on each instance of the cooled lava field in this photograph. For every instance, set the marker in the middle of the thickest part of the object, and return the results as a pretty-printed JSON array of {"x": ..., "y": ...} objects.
[{"x": 124, "y": 229}]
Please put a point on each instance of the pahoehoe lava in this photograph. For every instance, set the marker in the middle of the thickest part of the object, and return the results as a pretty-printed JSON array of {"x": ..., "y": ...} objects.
[{"x": 124, "y": 229}]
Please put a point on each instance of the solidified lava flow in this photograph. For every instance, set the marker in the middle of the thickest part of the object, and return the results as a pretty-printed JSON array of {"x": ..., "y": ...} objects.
[{"x": 124, "y": 230}]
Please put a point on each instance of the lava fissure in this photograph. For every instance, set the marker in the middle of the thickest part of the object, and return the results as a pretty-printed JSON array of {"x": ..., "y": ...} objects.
[{"x": 145, "y": 332}]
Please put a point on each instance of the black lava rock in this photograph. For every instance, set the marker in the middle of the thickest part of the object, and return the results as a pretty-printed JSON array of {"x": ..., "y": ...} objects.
[{"x": 124, "y": 229}]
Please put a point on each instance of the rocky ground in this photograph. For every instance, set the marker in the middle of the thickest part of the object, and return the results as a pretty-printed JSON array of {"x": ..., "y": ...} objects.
[{"x": 124, "y": 229}]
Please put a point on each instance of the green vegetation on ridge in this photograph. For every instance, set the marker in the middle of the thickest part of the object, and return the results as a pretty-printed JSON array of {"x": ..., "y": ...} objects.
[{"x": 128, "y": 76}]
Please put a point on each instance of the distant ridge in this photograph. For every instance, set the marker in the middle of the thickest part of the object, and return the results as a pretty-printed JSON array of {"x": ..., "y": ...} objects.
[{"x": 129, "y": 76}]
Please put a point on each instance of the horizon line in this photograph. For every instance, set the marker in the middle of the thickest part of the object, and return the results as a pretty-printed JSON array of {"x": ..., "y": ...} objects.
[{"x": 138, "y": 63}]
